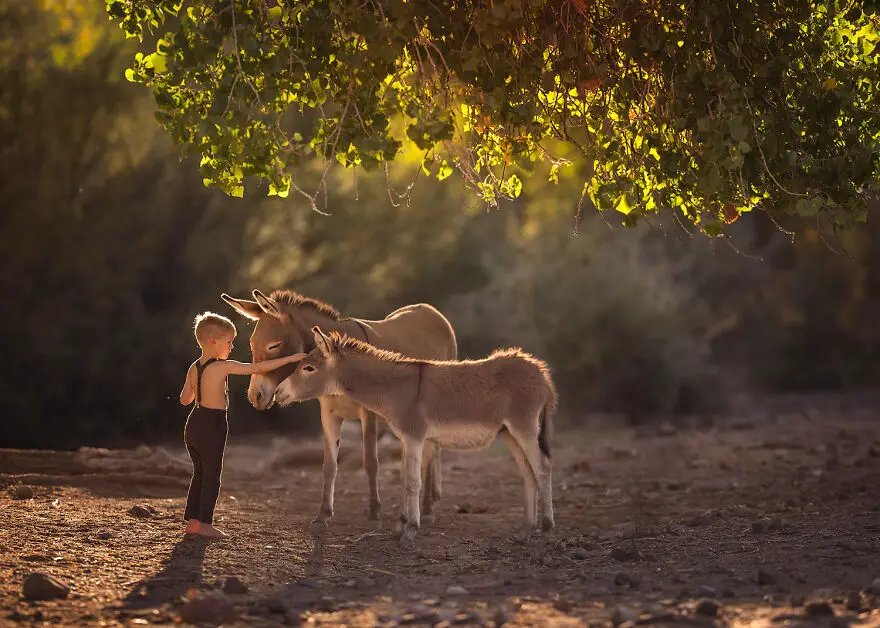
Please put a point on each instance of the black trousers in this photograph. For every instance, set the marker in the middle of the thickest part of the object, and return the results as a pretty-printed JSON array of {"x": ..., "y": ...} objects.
[{"x": 205, "y": 437}]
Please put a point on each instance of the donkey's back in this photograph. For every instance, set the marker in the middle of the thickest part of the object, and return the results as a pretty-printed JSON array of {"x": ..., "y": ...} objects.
[{"x": 465, "y": 404}]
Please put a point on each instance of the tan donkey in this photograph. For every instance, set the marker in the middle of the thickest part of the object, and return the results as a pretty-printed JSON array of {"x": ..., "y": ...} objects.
[
  {"x": 284, "y": 327},
  {"x": 454, "y": 404}
]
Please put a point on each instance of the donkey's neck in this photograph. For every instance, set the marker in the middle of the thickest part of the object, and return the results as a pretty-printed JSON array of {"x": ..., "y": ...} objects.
[
  {"x": 307, "y": 318},
  {"x": 379, "y": 386}
]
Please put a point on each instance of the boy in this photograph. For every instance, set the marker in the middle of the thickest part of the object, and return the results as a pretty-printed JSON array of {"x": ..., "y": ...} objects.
[{"x": 207, "y": 427}]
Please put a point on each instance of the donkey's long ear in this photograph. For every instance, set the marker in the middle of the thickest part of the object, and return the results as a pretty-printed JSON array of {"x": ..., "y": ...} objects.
[
  {"x": 269, "y": 306},
  {"x": 323, "y": 342},
  {"x": 250, "y": 309}
]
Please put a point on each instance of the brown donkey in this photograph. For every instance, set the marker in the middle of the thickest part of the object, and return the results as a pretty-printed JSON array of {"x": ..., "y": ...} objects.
[
  {"x": 454, "y": 404},
  {"x": 284, "y": 323}
]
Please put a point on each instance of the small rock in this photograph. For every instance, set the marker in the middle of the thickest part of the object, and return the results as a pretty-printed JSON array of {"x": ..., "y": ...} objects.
[
  {"x": 141, "y": 512},
  {"x": 326, "y": 604},
  {"x": 624, "y": 554},
  {"x": 562, "y": 605},
  {"x": 622, "y": 614},
  {"x": 22, "y": 492},
  {"x": 580, "y": 553},
  {"x": 234, "y": 586},
  {"x": 760, "y": 527},
  {"x": 456, "y": 590},
  {"x": 767, "y": 576},
  {"x": 854, "y": 601},
  {"x": 42, "y": 586},
  {"x": 104, "y": 535},
  {"x": 207, "y": 608},
  {"x": 706, "y": 591},
  {"x": 874, "y": 587},
  {"x": 667, "y": 429},
  {"x": 778, "y": 524},
  {"x": 818, "y": 608},
  {"x": 273, "y": 605},
  {"x": 351, "y": 583},
  {"x": 708, "y": 608},
  {"x": 621, "y": 579},
  {"x": 501, "y": 615}
]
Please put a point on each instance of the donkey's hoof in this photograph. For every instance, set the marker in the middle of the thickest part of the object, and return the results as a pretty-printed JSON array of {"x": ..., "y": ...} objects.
[
  {"x": 522, "y": 535},
  {"x": 428, "y": 519},
  {"x": 319, "y": 525},
  {"x": 409, "y": 533},
  {"x": 547, "y": 527},
  {"x": 375, "y": 512}
]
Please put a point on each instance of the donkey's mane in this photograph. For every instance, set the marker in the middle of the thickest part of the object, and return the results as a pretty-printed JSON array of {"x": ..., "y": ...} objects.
[
  {"x": 288, "y": 299},
  {"x": 344, "y": 341}
]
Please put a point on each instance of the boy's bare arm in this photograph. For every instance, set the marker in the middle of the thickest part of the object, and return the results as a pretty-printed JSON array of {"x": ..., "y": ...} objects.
[
  {"x": 256, "y": 368},
  {"x": 188, "y": 394}
]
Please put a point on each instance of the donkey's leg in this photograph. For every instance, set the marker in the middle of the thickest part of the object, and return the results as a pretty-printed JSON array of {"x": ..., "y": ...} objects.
[
  {"x": 331, "y": 425},
  {"x": 412, "y": 460},
  {"x": 369, "y": 427},
  {"x": 429, "y": 455},
  {"x": 530, "y": 513},
  {"x": 542, "y": 469}
]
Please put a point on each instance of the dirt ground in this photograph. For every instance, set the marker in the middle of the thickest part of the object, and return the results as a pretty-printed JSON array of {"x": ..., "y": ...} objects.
[{"x": 771, "y": 517}]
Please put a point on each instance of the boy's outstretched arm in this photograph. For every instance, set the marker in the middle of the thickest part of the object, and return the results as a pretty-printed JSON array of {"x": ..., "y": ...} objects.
[
  {"x": 257, "y": 368},
  {"x": 188, "y": 394}
]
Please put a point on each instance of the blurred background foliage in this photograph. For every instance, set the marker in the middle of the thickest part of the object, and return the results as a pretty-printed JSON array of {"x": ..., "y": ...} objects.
[{"x": 112, "y": 245}]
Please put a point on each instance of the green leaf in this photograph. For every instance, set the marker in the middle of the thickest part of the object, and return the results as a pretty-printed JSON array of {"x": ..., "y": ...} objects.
[
  {"x": 444, "y": 170},
  {"x": 739, "y": 130}
]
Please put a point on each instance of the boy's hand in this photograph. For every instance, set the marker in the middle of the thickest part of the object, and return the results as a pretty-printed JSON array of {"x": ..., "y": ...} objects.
[{"x": 296, "y": 357}]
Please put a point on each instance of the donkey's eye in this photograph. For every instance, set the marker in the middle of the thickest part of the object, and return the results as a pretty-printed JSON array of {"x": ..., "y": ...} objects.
[
  {"x": 273, "y": 346},
  {"x": 308, "y": 368}
]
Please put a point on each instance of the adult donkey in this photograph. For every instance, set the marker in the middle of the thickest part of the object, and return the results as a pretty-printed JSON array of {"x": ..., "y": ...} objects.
[{"x": 284, "y": 326}]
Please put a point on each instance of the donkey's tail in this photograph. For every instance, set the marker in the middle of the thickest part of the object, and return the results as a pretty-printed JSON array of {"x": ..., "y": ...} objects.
[{"x": 545, "y": 429}]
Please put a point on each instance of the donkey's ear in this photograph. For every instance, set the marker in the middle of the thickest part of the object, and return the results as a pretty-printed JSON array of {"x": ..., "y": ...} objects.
[
  {"x": 249, "y": 309},
  {"x": 323, "y": 342},
  {"x": 268, "y": 305}
]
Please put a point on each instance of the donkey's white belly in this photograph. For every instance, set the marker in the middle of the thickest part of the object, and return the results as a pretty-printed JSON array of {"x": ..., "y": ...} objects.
[{"x": 462, "y": 436}]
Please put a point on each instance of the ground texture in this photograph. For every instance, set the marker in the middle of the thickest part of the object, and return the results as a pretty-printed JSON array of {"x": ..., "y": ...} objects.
[{"x": 767, "y": 518}]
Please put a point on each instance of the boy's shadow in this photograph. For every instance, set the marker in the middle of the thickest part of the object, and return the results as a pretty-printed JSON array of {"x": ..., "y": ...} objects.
[{"x": 181, "y": 571}]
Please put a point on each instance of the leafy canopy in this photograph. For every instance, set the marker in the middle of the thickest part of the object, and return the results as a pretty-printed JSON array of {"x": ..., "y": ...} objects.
[{"x": 710, "y": 108}]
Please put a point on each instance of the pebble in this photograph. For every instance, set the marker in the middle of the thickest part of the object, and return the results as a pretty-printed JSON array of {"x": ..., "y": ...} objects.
[
  {"x": 624, "y": 554},
  {"x": 456, "y": 590},
  {"x": 326, "y": 604},
  {"x": 580, "y": 553},
  {"x": 854, "y": 601},
  {"x": 501, "y": 615},
  {"x": 207, "y": 608},
  {"x": 708, "y": 608},
  {"x": 234, "y": 586},
  {"x": 141, "y": 512},
  {"x": 104, "y": 535},
  {"x": 22, "y": 492},
  {"x": 563, "y": 605},
  {"x": 766, "y": 576},
  {"x": 706, "y": 591},
  {"x": 818, "y": 608},
  {"x": 759, "y": 527},
  {"x": 42, "y": 586},
  {"x": 622, "y": 614}
]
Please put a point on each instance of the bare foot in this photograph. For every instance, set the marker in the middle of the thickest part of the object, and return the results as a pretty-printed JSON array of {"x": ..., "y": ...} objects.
[
  {"x": 192, "y": 526},
  {"x": 206, "y": 529}
]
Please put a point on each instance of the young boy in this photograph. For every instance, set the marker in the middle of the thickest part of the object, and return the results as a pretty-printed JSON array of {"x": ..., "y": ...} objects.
[{"x": 207, "y": 427}]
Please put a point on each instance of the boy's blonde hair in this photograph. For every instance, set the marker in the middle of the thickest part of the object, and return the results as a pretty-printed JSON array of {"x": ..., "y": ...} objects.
[{"x": 208, "y": 326}]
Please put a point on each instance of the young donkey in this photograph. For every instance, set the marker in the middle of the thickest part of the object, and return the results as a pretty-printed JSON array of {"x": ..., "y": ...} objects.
[
  {"x": 454, "y": 404},
  {"x": 284, "y": 326}
]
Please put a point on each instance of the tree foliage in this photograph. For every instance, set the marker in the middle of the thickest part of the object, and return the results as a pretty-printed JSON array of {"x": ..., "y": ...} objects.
[{"x": 710, "y": 108}]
